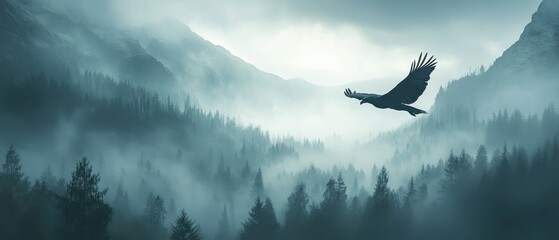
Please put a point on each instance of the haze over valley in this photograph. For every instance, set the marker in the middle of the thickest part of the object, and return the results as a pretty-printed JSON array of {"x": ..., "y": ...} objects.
[{"x": 170, "y": 121}]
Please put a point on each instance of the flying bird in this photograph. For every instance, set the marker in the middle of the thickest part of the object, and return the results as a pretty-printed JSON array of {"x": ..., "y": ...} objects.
[{"x": 406, "y": 92}]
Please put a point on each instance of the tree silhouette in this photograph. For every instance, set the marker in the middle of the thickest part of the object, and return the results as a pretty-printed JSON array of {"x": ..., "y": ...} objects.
[
  {"x": 85, "y": 213},
  {"x": 410, "y": 197},
  {"x": 480, "y": 163},
  {"x": 12, "y": 178},
  {"x": 258, "y": 185},
  {"x": 327, "y": 221},
  {"x": 334, "y": 196},
  {"x": 379, "y": 217},
  {"x": 262, "y": 222},
  {"x": 297, "y": 214},
  {"x": 457, "y": 170},
  {"x": 184, "y": 228},
  {"x": 13, "y": 188},
  {"x": 155, "y": 213}
]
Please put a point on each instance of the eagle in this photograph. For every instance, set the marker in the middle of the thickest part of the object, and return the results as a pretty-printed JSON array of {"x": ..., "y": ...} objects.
[{"x": 406, "y": 92}]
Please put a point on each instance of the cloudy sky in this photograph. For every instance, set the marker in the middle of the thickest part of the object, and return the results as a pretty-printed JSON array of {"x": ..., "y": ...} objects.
[
  {"x": 334, "y": 42},
  {"x": 331, "y": 42}
]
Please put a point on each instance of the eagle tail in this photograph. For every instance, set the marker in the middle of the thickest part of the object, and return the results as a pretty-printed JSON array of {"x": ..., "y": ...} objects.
[{"x": 413, "y": 111}]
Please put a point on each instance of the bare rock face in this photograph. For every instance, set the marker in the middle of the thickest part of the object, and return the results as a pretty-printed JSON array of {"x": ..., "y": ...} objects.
[{"x": 538, "y": 45}]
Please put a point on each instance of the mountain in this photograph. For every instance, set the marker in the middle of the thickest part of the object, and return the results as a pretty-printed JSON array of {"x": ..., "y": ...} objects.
[
  {"x": 524, "y": 77},
  {"x": 169, "y": 58},
  {"x": 517, "y": 90}
]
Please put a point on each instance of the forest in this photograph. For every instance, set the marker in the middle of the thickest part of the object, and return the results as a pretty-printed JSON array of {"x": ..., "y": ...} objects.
[
  {"x": 122, "y": 126},
  {"x": 511, "y": 194}
]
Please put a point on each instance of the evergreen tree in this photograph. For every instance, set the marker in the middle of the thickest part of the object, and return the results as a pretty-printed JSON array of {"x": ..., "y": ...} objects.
[
  {"x": 334, "y": 196},
  {"x": 457, "y": 169},
  {"x": 12, "y": 178},
  {"x": 411, "y": 195},
  {"x": 155, "y": 214},
  {"x": 13, "y": 187},
  {"x": 84, "y": 211},
  {"x": 246, "y": 172},
  {"x": 258, "y": 185},
  {"x": 379, "y": 220},
  {"x": 223, "y": 229},
  {"x": 262, "y": 222},
  {"x": 327, "y": 221},
  {"x": 503, "y": 165},
  {"x": 297, "y": 213},
  {"x": 480, "y": 163},
  {"x": 422, "y": 193},
  {"x": 270, "y": 221},
  {"x": 520, "y": 159},
  {"x": 341, "y": 189},
  {"x": 381, "y": 194},
  {"x": 184, "y": 228}
]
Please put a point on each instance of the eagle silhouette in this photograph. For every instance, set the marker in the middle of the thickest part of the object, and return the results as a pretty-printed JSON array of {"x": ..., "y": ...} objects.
[{"x": 406, "y": 92}]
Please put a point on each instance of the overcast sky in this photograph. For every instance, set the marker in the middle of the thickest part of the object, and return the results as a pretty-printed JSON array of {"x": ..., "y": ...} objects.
[{"x": 330, "y": 42}]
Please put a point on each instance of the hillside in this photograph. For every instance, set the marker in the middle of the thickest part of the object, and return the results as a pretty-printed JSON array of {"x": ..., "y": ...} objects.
[
  {"x": 167, "y": 57},
  {"x": 519, "y": 87},
  {"x": 524, "y": 77}
]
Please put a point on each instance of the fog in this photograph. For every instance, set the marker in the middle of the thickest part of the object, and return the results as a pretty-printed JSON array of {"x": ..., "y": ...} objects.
[{"x": 169, "y": 122}]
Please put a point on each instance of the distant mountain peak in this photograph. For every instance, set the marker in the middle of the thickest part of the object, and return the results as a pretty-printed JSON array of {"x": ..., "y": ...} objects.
[
  {"x": 523, "y": 78},
  {"x": 538, "y": 44}
]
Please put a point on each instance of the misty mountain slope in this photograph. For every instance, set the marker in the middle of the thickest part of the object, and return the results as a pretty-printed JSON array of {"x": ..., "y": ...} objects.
[
  {"x": 40, "y": 40},
  {"x": 22, "y": 42},
  {"x": 83, "y": 114},
  {"x": 524, "y": 79},
  {"x": 169, "y": 58}
]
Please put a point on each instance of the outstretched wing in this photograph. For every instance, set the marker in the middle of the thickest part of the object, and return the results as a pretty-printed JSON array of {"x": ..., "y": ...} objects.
[
  {"x": 409, "y": 89},
  {"x": 348, "y": 93}
]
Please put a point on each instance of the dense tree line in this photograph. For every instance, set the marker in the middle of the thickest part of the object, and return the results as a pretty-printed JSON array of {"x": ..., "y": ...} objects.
[
  {"x": 509, "y": 194},
  {"x": 99, "y": 109},
  {"x": 80, "y": 211}
]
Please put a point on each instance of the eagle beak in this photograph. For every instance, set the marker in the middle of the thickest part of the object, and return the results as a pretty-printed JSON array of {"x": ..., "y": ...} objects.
[{"x": 361, "y": 103}]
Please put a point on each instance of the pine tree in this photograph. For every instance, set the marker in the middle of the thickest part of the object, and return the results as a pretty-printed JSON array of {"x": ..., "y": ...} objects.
[
  {"x": 223, "y": 229},
  {"x": 334, "y": 196},
  {"x": 422, "y": 194},
  {"x": 262, "y": 222},
  {"x": 12, "y": 178},
  {"x": 184, "y": 228},
  {"x": 297, "y": 213},
  {"x": 380, "y": 210},
  {"x": 85, "y": 213},
  {"x": 480, "y": 163},
  {"x": 411, "y": 195},
  {"x": 13, "y": 187},
  {"x": 246, "y": 172},
  {"x": 258, "y": 185},
  {"x": 155, "y": 213},
  {"x": 457, "y": 169},
  {"x": 381, "y": 194},
  {"x": 270, "y": 221},
  {"x": 341, "y": 189}
]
